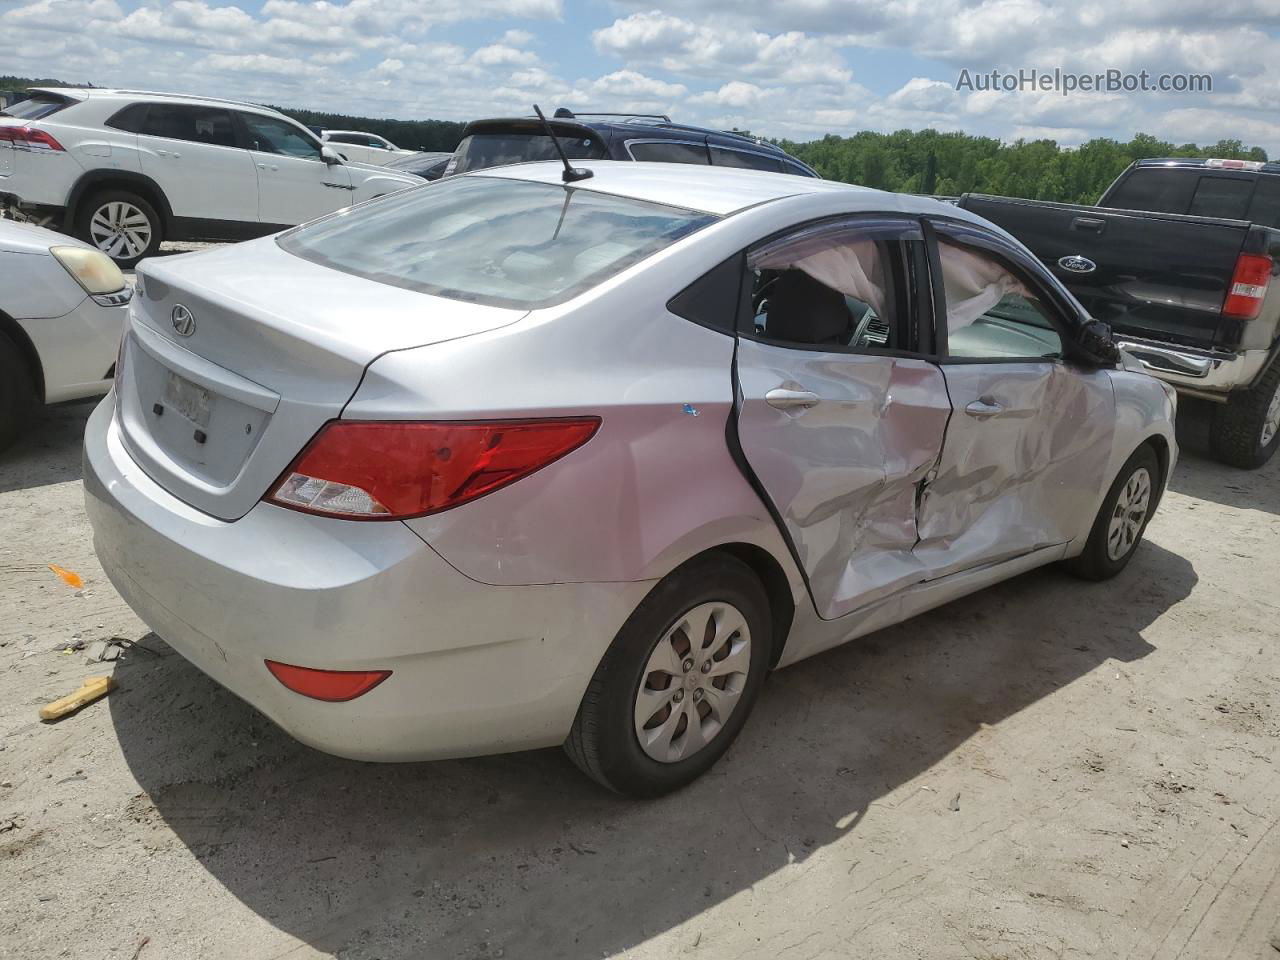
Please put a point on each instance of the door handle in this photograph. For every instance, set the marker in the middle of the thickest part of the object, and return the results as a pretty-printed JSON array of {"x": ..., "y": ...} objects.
[
  {"x": 786, "y": 399},
  {"x": 984, "y": 408},
  {"x": 1088, "y": 224}
]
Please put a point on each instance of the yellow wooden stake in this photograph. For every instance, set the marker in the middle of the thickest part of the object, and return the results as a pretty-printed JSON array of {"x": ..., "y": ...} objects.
[{"x": 92, "y": 689}]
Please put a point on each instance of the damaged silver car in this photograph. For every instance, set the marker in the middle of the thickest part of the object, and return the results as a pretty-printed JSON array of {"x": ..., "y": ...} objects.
[{"x": 505, "y": 462}]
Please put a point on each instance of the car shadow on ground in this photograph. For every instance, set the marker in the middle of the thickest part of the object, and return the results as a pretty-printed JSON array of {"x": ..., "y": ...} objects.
[
  {"x": 49, "y": 449},
  {"x": 519, "y": 855},
  {"x": 1205, "y": 479}
]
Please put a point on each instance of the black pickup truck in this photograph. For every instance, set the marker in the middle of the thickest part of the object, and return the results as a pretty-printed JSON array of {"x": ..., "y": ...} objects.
[{"x": 1179, "y": 258}]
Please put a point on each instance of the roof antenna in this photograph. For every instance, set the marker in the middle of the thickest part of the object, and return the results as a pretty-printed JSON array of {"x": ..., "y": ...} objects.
[{"x": 571, "y": 174}]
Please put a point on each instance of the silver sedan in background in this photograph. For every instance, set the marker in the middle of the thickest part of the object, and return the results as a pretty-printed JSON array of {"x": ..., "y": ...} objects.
[{"x": 503, "y": 462}]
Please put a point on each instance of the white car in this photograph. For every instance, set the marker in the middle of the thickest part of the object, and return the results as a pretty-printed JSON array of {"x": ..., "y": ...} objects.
[
  {"x": 504, "y": 463},
  {"x": 63, "y": 307},
  {"x": 124, "y": 170},
  {"x": 364, "y": 147}
]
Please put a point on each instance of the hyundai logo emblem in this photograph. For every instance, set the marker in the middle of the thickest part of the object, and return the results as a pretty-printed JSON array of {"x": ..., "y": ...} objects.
[
  {"x": 184, "y": 321},
  {"x": 1077, "y": 264}
]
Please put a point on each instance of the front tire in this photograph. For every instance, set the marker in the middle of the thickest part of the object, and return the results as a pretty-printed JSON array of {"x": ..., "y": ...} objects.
[
  {"x": 121, "y": 224},
  {"x": 676, "y": 685},
  {"x": 1246, "y": 430},
  {"x": 18, "y": 397},
  {"x": 1126, "y": 510}
]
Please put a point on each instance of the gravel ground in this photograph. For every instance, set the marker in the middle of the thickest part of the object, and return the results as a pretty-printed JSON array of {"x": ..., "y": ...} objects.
[{"x": 1046, "y": 769}]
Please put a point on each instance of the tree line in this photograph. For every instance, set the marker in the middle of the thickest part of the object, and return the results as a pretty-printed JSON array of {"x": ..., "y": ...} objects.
[
  {"x": 907, "y": 161},
  {"x": 948, "y": 164}
]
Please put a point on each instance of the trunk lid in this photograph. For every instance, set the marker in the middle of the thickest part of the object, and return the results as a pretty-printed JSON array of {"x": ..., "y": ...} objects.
[{"x": 237, "y": 356}]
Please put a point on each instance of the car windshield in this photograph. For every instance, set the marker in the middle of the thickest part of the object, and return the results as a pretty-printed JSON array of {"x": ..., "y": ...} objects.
[
  {"x": 489, "y": 240},
  {"x": 34, "y": 108},
  {"x": 482, "y": 150}
]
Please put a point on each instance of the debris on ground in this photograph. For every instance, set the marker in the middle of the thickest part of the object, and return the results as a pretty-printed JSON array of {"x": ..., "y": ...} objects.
[
  {"x": 92, "y": 689},
  {"x": 69, "y": 577}
]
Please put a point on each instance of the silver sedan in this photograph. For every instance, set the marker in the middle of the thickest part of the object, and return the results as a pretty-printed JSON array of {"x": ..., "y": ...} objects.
[{"x": 503, "y": 462}]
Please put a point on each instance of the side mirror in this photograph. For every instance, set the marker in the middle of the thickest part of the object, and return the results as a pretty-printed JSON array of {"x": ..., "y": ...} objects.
[
  {"x": 330, "y": 155},
  {"x": 1095, "y": 340}
]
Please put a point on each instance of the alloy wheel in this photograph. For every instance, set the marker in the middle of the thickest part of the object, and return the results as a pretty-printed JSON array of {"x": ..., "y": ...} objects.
[
  {"x": 1129, "y": 514},
  {"x": 692, "y": 682},
  {"x": 120, "y": 230}
]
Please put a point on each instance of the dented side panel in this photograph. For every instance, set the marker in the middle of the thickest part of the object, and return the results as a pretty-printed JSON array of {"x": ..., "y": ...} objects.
[
  {"x": 845, "y": 473},
  {"x": 1023, "y": 465}
]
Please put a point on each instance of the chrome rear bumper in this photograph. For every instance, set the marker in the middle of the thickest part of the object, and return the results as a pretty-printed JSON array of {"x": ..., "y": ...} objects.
[{"x": 1211, "y": 372}]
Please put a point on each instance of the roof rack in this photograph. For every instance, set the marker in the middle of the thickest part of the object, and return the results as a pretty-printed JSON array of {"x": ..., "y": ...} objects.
[
  {"x": 566, "y": 114},
  {"x": 179, "y": 96}
]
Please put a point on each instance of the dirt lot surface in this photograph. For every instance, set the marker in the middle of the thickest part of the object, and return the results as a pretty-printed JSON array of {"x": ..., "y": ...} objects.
[{"x": 1046, "y": 769}]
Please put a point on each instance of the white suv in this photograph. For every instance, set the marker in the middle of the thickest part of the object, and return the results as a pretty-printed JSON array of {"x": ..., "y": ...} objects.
[
  {"x": 124, "y": 170},
  {"x": 364, "y": 147}
]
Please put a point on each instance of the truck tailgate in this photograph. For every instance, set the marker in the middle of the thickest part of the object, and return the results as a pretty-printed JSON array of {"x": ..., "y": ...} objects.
[{"x": 1157, "y": 275}]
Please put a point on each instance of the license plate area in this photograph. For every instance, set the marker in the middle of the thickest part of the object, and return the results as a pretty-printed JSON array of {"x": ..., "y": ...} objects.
[
  {"x": 204, "y": 434},
  {"x": 187, "y": 400}
]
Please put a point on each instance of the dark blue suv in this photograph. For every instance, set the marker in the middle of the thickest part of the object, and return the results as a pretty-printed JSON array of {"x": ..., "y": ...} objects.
[{"x": 614, "y": 136}]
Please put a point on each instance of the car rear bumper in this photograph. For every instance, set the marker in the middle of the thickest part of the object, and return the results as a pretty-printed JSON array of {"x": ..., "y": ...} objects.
[
  {"x": 1211, "y": 372},
  {"x": 475, "y": 668}
]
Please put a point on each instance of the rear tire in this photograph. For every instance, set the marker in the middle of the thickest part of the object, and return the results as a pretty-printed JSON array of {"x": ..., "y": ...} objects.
[
  {"x": 1118, "y": 529},
  {"x": 1246, "y": 429},
  {"x": 719, "y": 671},
  {"x": 121, "y": 224},
  {"x": 18, "y": 397}
]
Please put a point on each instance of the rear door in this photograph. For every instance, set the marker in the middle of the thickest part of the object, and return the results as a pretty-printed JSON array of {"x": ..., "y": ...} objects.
[
  {"x": 838, "y": 422},
  {"x": 195, "y": 156},
  {"x": 294, "y": 182},
  {"x": 1030, "y": 436}
]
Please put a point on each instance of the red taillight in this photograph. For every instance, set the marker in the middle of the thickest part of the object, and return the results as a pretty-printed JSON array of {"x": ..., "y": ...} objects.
[
  {"x": 1248, "y": 286},
  {"x": 29, "y": 137},
  {"x": 335, "y": 686},
  {"x": 390, "y": 470}
]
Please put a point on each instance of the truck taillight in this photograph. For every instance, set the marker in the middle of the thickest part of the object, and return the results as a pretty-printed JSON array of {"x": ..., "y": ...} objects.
[
  {"x": 29, "y": 137},
  {"x": 1248, "y": 286},
  {"x": 392, "y": 470}
]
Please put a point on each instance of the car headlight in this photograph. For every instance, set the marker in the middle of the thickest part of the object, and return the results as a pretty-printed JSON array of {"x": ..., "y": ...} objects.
[{"x": 96, "y": 274}]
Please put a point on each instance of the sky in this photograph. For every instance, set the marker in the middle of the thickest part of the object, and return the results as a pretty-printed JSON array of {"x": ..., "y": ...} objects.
[{"x": 787, "y": 68}]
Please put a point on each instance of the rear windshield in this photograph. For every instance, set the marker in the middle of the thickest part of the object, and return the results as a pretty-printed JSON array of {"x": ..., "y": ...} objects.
[
  {"x": 40, "y": 105},
  {"x": 482, "y": 150},
  {"x": 511, "y": 243}
]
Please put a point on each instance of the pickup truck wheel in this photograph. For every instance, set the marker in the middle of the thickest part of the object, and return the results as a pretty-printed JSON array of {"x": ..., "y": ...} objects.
[
  {"x": 17, "y": 393},
  {"x": 1122, "y": 520},
  {"x": 1246, "y": 429},
  {"x": 121, "y": 224}
]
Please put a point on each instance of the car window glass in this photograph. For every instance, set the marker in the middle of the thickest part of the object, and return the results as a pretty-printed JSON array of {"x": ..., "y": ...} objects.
[
  {"x": 1265, "y": 208},
  {"x": 1154, "y": 189},
  {"x": 828, "y": 287},
  {"x": 991, "y": 312},
  {"x": 35, "y": 107},
  {"x": 744, "y": 159},
  {"x": 790, "y": 166},
  {"x": 270, "y": 135},
  {"x": 1226, "y": 197},
  {"x": 488, "y": 240},
  {"x": 130, "y": 119},
  {"x": 342, "y": 138},
  {"x": 669, "y": 152},
  {"x": 176, "y": 121},
  {"x": 483, "y": 150}
]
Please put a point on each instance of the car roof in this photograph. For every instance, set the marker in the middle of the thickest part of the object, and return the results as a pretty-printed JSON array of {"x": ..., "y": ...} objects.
[
  {"x": 721, "y": 190},
  {"x": 362, "y": 133},
  {"x": 645, "y": 126},
  {"x": 94, "y": 93},
  {"x": 1255, "y": 166}
]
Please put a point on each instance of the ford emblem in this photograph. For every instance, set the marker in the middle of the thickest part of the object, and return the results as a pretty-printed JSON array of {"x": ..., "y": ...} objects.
[
  {"x": 1077, "y": 264},
  {"x": 184, "y": 321}
]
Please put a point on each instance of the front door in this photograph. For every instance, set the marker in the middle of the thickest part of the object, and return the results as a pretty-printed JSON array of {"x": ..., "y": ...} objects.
[
  {"x": 1030, "y": 435},
  {"x": 838, "y": 426},
  {"x": 294, "y": 182}
]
